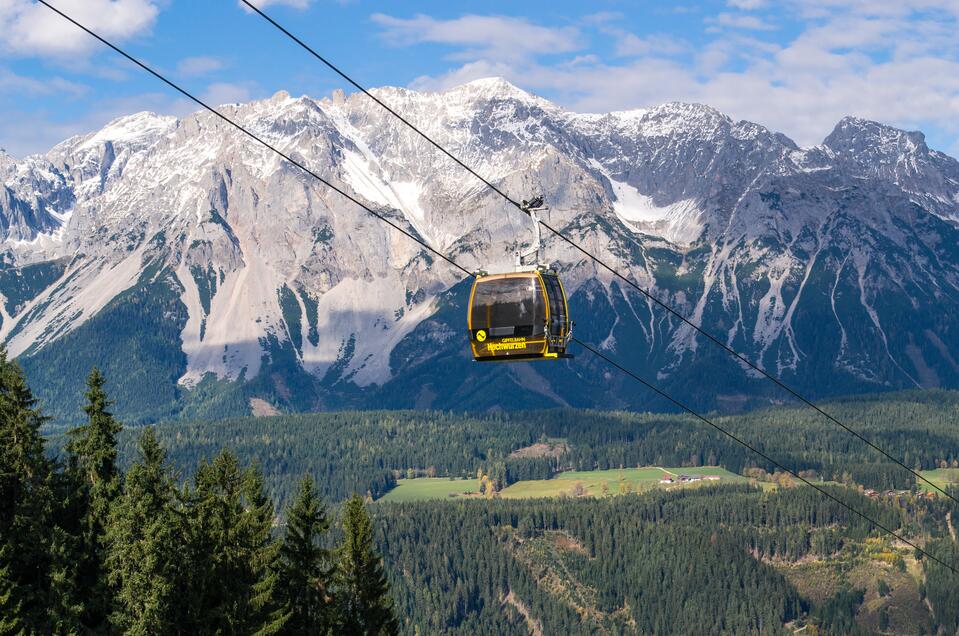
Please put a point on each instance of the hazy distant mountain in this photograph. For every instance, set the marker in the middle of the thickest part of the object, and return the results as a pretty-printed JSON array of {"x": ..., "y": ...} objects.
[{"x": 200, "y": 270}]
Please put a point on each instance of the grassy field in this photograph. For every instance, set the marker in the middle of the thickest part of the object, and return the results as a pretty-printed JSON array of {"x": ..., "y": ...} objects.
[
  {"x": 424, "y": 488},
  {"x": 591, "y": 482},
  {"x": 942, "y": 477},
  {"x": 572, "y": 483}
]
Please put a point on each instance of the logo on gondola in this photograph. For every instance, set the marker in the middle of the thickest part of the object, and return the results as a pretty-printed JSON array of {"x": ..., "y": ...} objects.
[{"x": 480, "y": 335}]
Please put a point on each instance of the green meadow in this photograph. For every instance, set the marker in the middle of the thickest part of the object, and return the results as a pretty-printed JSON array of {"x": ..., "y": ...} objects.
[
  {"x": 590, "y": 482},
  {"x": 425, "y": 488},
  {"x": 942, "y": 477},
  {"x": 572, "y": 483},
  {"x": 578, "y": 483}
]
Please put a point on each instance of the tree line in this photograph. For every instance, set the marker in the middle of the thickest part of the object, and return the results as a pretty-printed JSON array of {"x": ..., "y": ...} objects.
[
  {"x": 86, "y": 547},
  {"x": 366, "y": 451}
]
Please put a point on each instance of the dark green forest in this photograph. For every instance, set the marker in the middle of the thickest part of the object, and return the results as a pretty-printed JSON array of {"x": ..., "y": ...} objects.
[
  {"x": 364, "y": 451},
  {"x": 693, "y": 562},
  {"x": 88, "y": 548},
  {"x": 254, "y": 526}
]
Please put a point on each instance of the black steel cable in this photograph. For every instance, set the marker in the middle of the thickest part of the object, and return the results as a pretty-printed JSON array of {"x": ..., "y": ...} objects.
[
  {"x": 785, "y": 387},
  {"x": 470, "y": 274}
]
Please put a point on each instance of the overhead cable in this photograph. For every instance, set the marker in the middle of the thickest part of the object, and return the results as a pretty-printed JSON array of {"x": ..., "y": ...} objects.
[
  {"x": 379, "y": 216},
  {"x": 645, "y": 292}
]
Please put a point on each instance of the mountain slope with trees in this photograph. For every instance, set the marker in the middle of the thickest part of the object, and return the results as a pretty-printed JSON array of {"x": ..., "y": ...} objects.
[{"x": 107, "y": 539}]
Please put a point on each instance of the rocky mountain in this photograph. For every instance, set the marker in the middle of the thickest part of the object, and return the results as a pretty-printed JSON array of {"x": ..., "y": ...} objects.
[{"x": 201, "y": 271}]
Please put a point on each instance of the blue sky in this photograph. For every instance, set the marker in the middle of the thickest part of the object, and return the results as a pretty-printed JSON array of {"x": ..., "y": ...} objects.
[{"x": 796, "y": 66}]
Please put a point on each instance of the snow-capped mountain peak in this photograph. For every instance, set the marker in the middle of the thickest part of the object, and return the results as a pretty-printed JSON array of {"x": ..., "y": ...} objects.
[
  {"x": 268, "y": 272},
  {"x": 135, "y": 130},
  {"x": 902, "y": 158},
  {"x": 853, "y": 133},
  {"x": 488, "y": 88}
]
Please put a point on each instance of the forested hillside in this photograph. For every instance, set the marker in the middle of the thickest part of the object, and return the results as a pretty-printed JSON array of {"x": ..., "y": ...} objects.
[
  {"x": 219, "y": 546},
  {"x": 724, "y": 560},
  {"x": 365, "y": 451}
]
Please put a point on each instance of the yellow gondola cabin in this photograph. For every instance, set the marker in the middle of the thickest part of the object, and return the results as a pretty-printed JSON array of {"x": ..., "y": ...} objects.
[{"x": 519, "y": 315}]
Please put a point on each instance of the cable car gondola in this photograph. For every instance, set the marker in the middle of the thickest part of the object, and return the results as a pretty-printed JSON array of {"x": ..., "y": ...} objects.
[{"x": 520, "y": 314}]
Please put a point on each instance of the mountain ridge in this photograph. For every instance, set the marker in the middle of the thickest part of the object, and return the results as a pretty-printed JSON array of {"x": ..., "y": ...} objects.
[{"x": 804, "y": 259}]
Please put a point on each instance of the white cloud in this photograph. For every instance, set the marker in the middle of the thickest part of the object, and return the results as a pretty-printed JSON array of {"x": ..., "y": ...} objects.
[
  {"x": 228, "y": 93},
  {"x": 739, "y": 21},
  {"x": 496, "y": 38},
  {"x": 14, "y": 84},
  {"x": 601, "y": 17},
  {"x": 631, "y": 45},
  {"x": 200, "y": 65},
  {"x": 24, "y": 132},
  {"x": 895, "y": 61},
  {"x": 746, "y": 5},
  {"x": 628, "y": 44},
  {"x": 29, "y": 28}
]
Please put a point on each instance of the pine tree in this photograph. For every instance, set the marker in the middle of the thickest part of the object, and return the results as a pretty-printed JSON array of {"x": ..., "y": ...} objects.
[
  {"x": 263, "y": 617},
  {"x": 92, "y": 453},
  {"x": 231, "y": 552},
  {"x": 365, "y": 605},
  {"x": 145, "y": 557},
  {"x": 26, "y": 507},
  {"x": 305, "y": 567}
]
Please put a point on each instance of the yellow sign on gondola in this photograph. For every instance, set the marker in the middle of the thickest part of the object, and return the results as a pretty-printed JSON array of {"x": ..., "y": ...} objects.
[{"x": 509, "y": 344}]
